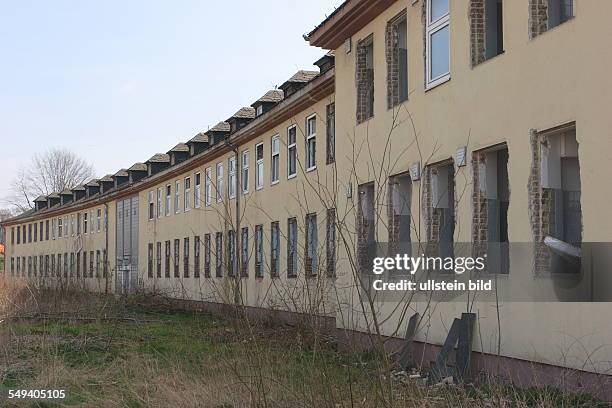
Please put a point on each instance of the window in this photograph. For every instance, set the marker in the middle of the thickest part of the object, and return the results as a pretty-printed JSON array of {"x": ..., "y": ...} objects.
[
  {"x": 438, "y": 42},
  {"x": 187, "y": 194},
  {"x": 71, "y": 264},
  {"x": 177, "y": 249},
  {"x": 491, "y": 202},
  {"x": 231, "y": 167},
  {"x": 18, "y": 266},
  {"x": 487, "y": 34},
  {"x": 19, "y": 234},
  {"x": 168, "y": 199},
  {"x": 220, "y": 191},
  {"x": 259, "y": 166},
  {"x": 160, "y": 193},
  {"x": 186, "y": 258},
  {"x": 85, "y": 223},
  {"x": 66, "y": 225},
  {"x": 274, "y": 249},
  {"x": 150, "y": 261},
  {"x": 366, "y": 242},
  {"x": 151, "y": 208},
  {"x": 245, "y": 172},
  {"x": 104, "y": 263},
  {"x": 99, "y": 219},
  {"x": 330, "y": 133},
  {"x": 91, "y": 264},
  {"x": 65, "y": 264},
  {"x": 36, "y": 229},
  {"x": 312, "y": 242},
  {"x": 559, "y": 11},
  {"x": 78, "y": 225},
  {"x": 292, "y": 247},
  {"x": 244, "y": 248},
  {"x": 196, "y": 257},
  {"x": 12, "y": 235},
  {"x": 441, "y": 225},
  {"x": 311, "y": 143},
  {"x": 330, "y": 244},
  {"x": 91, "y": 220},
  {"x": 208, "y": 187},
  {"x": 84, "y": 264},
  {"x": 207, "y": 255},
  {"x": 399, "y": 222},
  {"x": 167, "y": 263},
  {"x": 397, "y": 60},
  {"x": 78, "y": 264},
  {"x": 365, "y": 79},
  {"x": 59, "y": 227},
  {"x": 177, "y": 197},
  {"x": 58, "y": 271},
  {"x": 259, "y": 110},
  {"x": 291, "y": 151},
  {"x": 47, "y": 230},
  {"x": 219, "y": 255},
  {"x": 30, "y": 232},
  {"x": 46, "y": 265},
  {"x": 72, "y": 230},
  {"x": 197, "y": 198},
  {"x": 275, "y": 162},
  {"x": 29, "y": 266},
  {"x": 158, "y": 259},
  {"x": 231, "y": 253},
  {"x": 12, "y": 266},
  {"x": 259, "y": 251},
  {"x": 98, "y": 264}
]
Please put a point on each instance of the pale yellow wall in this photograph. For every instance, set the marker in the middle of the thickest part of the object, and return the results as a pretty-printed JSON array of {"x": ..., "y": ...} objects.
[
  {"x": 72, "y": 242},
  {"x": 554, "y": 79},
  {"x": 276, "y": 202}
]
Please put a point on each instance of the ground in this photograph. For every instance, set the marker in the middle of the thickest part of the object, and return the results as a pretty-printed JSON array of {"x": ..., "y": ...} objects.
[{"x": 107, "y": 352}]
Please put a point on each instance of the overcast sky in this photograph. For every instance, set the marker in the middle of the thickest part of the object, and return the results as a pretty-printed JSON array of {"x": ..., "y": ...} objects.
[{"x": 117, "y": 81}]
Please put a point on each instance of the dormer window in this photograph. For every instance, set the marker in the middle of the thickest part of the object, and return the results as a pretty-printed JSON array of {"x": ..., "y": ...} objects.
[{"x": 259, "y": 110}]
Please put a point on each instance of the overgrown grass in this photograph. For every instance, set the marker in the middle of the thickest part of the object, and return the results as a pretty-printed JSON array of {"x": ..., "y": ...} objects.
[{"x": 130, "y": 357}]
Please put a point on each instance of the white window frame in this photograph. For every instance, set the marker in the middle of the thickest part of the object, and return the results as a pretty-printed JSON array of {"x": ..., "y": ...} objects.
[
  {"x": 220, "y": 187},
  {"x": 310, "y": 136},
  {"x": 291, "y": 146},
  {"x": 159, "y": 202},
  {"x": 275, "y": 160},
  {"x": 231, "y": 182},
  {"x": 187, "y": 194},
  {"x": 177, "y": 196},
  {"x": 168, "y": 200},
  {"x": 197, "y": 197},
  {"x": 431, "y": 28},
  {"x": 208, "y": 187},
  {"x": 98, "y": 219},
  {"x": 259, "y": 167},
  {"x": 245, "y": 172},
  {"x": 150, "y": 215}
]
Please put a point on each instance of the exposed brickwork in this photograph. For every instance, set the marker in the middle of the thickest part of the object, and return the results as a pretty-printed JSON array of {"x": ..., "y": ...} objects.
[
  {"x": 538, "y": 17},
  {"x": 540, "y": 205},
  {"x": 479, "y": 205},
  {"x": 363, "y": 227},
  {"x": 363, "y": 78},
  {"x": 392, "y": 54},
  {"x": 393, "y": 218},
  {"x": 477, "y": 31}
]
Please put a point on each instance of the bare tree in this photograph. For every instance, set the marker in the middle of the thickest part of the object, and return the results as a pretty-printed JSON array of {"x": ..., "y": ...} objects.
[{"x": 50, "y": 172}]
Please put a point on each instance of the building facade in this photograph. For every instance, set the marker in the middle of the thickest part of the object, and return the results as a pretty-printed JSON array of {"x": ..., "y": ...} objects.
[{"x": 430, "y": 125}]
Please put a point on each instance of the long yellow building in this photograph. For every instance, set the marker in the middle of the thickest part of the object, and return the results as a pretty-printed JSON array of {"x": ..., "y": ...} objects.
[{"x": 430, "y": 127}]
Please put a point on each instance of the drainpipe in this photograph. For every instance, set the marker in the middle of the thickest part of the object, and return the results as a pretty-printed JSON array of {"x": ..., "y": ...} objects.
[
  {"x": 105, "y": 267},
  {"x": 237, "y": 274}
]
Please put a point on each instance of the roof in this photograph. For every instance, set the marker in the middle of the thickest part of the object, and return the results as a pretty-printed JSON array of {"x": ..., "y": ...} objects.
[
  {"x": 350, "y": 17},
  {"x": 53, "y": 195},
  {"x": 138, "y": 167},
  {"x": 159, "y": 158},
  {"x": 275, "y": 96},
  {"x": 181, "y": 147},
  {"x": 66, "y": 192},
  {"x": 220, "y": 127},
  {"x": 93, "y": 183},
  {"x": 199, "y": 138},
  {"x": 248, "y": 112},
  {"x": 41, "y": 198},
  {"x": 303, "y": 76},
  {"x": 106, "y": 179},
  {"x": 79, "y": 188},
  {"x": 122, "y": 173}
]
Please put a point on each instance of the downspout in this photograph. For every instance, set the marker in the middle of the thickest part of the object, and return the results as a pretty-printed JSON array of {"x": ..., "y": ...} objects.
[{"x": 238, "y": 189}]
